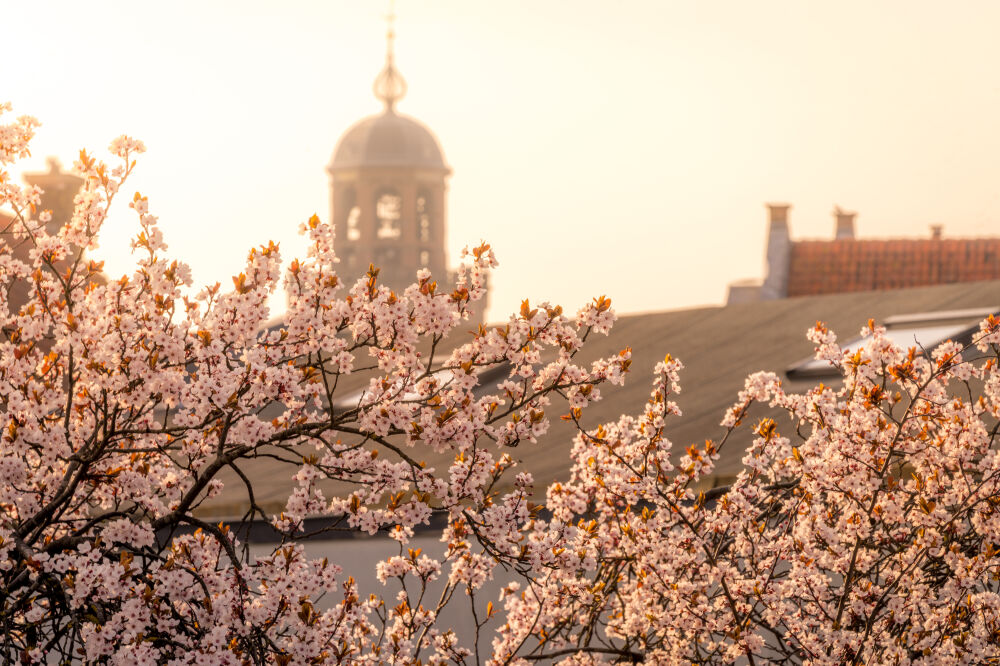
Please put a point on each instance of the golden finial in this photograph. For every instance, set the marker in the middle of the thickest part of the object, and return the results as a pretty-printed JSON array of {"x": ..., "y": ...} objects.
[{"x": 389, "y": 84}]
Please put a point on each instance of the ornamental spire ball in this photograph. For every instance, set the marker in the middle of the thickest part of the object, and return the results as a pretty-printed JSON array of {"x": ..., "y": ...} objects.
[{"x": 390, "y": 86}]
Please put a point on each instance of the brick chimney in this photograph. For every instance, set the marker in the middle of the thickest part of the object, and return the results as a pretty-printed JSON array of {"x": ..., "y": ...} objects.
[
  {"x": 779, "y": 247},
  {"x": 844, "y": 223},
  {"x": 936, "y": 231}
]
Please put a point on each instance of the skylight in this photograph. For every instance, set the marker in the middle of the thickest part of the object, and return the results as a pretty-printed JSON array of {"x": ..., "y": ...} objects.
[{"x": 923, "y": 330}]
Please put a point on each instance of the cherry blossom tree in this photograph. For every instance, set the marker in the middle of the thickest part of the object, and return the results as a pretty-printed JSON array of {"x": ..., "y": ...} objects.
[
  {"x": 123, "y": 399},
  {"x": 870, "y": 534},
  {"x": 867, "y": 533}
]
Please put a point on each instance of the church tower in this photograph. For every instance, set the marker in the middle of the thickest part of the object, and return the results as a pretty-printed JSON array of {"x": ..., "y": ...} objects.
[{"x": 388, "y": 181}]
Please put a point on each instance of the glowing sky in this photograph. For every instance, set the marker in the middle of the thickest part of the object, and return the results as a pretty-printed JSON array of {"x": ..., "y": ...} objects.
[{"x": 624, "y": 148}]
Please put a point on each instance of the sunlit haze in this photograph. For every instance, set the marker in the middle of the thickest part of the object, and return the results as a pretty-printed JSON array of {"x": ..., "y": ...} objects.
[{"x": 618, "y": 148}]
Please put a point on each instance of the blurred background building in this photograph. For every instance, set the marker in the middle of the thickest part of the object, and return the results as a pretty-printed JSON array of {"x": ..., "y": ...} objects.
[{"x": 58, "y": 191}]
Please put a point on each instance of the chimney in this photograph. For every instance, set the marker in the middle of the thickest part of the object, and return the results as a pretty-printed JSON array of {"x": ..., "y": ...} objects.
[
  {"x": 777, "y": 215},
  {"x": 845, "y": 223},
  {"x": 779, "y": 248},
  {"x": 936, "y": 230}
]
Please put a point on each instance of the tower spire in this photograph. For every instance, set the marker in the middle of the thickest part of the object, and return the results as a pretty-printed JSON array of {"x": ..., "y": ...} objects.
[{"x": 390, "y": 86}]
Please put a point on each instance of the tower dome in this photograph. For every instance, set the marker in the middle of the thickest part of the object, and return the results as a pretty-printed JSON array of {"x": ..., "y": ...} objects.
[{"x": 388, "y": 140}]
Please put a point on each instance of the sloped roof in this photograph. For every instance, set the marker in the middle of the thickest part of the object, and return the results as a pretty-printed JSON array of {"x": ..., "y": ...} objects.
[
  {"x": 850, "y": 265},
  {"x": 719, "y": 347}
]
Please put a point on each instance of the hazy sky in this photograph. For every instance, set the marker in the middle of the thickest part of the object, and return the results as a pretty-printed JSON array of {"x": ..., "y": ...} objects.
[{"x": 624, "y": 148}]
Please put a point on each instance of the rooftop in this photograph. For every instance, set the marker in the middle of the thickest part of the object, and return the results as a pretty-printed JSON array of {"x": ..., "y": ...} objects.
[{"x": 851, "y": 265}]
